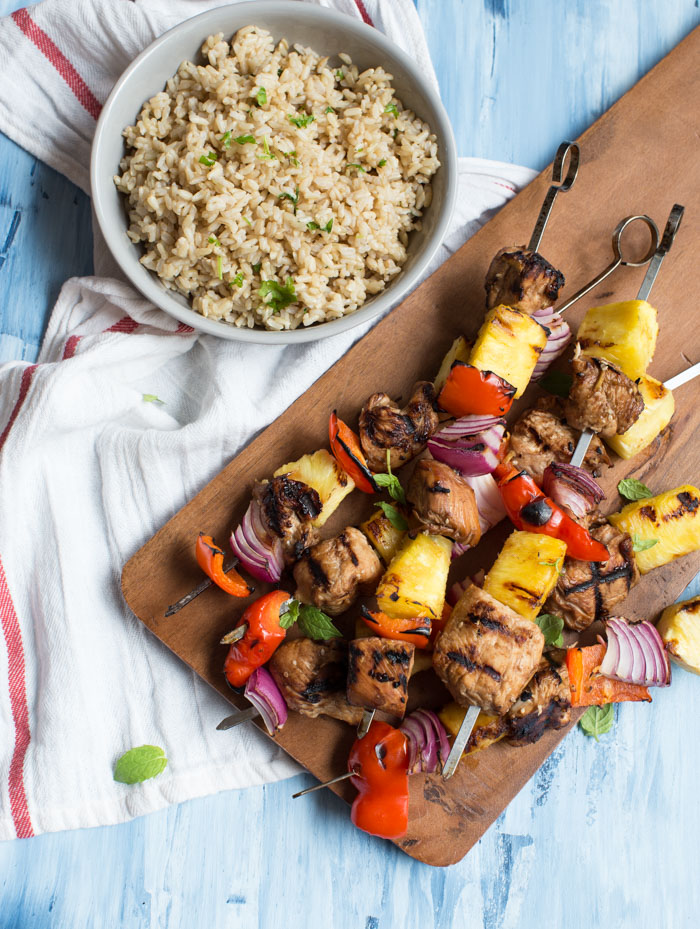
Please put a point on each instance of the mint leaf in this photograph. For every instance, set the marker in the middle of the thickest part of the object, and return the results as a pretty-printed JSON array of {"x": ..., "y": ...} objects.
[
  {"x": 597, "y": 720},
  {"x": 632, "y": 489},
  {"x": 289, "y": 613},
  {"x": 281, "y": 295},
  {"x": 393, "y": 109},
  {"x": 557, "y": 383},
  {"x": 552, "y": 627},
  {"x": 396, "y": 519},
  {"x": 245, "y": 139},
  {"x": 151, "y": 398},
  {"x": 261, "y": 96},
  {"x": 391, "y": 482},
  {"x": 314, "y": 623},
  {"x": 641, "y": 545},
  {"x": 140, "y": 764},
  {"x": 301, "y": 122}
]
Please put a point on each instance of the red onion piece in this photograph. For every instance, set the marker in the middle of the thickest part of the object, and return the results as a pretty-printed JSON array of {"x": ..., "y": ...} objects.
[
  {"x": 557, "y": 340},
  {"x": 471, "y": 455},
  {"x": 428, "y": 745},
  {"x": 488, "y": 500},
  {"x": 258, "y": 551},
  {"x": 267, "y": 699},
  {"x": 469, "y": 425},
  {"x": 456, "y": 591},
  {"x": 635, "y": 654},
  {"x": 571, "y": 486}
]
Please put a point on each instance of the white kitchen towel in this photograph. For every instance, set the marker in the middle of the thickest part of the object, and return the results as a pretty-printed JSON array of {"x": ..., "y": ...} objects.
[{"x": 89, "y": 471}]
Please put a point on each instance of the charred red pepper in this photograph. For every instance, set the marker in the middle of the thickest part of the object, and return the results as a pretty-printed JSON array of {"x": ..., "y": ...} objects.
[
  {"x": 591, "y": 688},
  {"x": 530, "y": 509},
  {"x": 469, "y": 391},
  {"x": 210, "y": 559},
  {"x": 415, "y": 630},
  {"x": 346, "y": 449},
  {"x": 259, "y": 640},
  {"x": 379, "y": 763}
]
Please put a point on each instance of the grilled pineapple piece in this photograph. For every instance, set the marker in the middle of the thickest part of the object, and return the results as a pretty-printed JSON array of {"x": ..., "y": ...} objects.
[
  {"x": 322, "y": 472},
  {"x": 623, "y": 333},
  {"x": 415, "y": 581},
  {"x": 509, "y": 344},
  {"x": 487, "y": 729},
  {"x": 459, "y": 351},
  {"x": 659, "y": 407},
  {"x": 679, "y": 627},
  {"x": 385, "y": 537},
  {"x": 671, "y": 521},
  {"x": 422, "y": 660},
  {"x": 526, "y": 571}
]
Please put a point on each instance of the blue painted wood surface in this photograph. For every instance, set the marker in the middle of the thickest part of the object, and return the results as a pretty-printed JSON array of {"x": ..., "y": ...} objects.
[{"x": 605, "y": 834}]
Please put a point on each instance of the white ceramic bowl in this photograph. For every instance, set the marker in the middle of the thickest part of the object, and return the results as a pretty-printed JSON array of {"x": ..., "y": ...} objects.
[{"x": 327, "y": 32}]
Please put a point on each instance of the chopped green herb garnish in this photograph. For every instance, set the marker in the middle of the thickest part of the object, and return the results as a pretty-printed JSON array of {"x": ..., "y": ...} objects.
[
  {"x": 151, "y": 398},
  {"x": 261, "y": 96},
  {"x": 266, "y": 149},
  {"x": 301, "y": 122},
  {"x": 293, "y": 197},
  {"x": 306, "y": 309},
  {"x": 279, "y": 72},
  {"x": 247, "y": 221},
  {"x": 396, "y": 519},
  {"x": 597, "y": 720},
  {"x": 237, "y": 281},
  {"x": 209, "y": 159},
  {"x": 339, "y": 75},
  {"x": 312, "y": 227},
  {"x": 395, "y": 133},
  {"x": 226, "y": 139},
  {"x": 329, "y": 109},
  {"x": 354, "y": 164},
  {"x": 393, "y": 109},
  {"x": 632, "y": 489},
  {"x": 292, "y": 156},
  {"x": 256, "y": 268},
  {"x": 552, "y": 628},
  {"x": 281, "y": 295},
  {"x": 382, "y": 163},
  {"x": 328, "y": 226},
  {"x": 214, "y": 241},
  {"x": 557, "y": 383},
  {"x": 641, "y": 545},
  {"x": 359, "y": 149},
  {"x": 245, "y": 139},
  {"x": 220, "y": 267}
]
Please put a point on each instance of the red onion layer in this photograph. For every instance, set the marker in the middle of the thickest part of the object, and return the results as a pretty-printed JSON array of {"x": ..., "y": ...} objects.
[
  {"x": 258, "y": 551},
  {"x": 557, "y": 340},
  {"x": 635, "y": 654},
  {"x": 428, "y": 746},
  {"x": 471, "y": 455},
  {"x": 267, "y": 699},
  {"x": 573, "y": 487}
]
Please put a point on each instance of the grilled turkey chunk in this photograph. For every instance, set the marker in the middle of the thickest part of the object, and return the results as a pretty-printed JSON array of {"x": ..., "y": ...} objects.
[
  {"x": 288, "y": 507},
  {"x": 312, "y": 678},
  {"x": 443, "y": 502},
  {"x": 588, "y": 590},
  {"x": 332, "y": 573},
  {"x": 487, "y": 653},
  {"x": 544, "y": 704},
  {"x": 403, "y": 433},
  {"x": 378, "y": 673},
  {"x": 602, "y": 398},
  {"x": 522, "y": 280}
]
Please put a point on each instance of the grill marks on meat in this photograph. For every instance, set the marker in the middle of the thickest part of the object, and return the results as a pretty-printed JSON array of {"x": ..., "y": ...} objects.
[
  {"x": 332, "y": 573},
  {"x": 378, "y": 673},
  {"x": 443, "y": 502},
  {"x": 602, "y": 397},
  {"x": 403, "y": 432},
  {"x": 540, "y": 437},
  {"x": 544, "y": 704},
  {"x": 522, "y": 280},
  {"x": 486, "y": 652},
  {"x": 587, "y": 591},
  {"x": 287, "y": 508},
  {"x": 312, "y": 678}
]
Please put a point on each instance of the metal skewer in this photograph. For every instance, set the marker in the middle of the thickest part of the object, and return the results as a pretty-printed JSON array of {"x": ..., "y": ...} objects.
[
  {"x": 199, "y": 589},
  {"x": 461, "y": 739},
  {"x": 237, "y": 718},
  {"x": 566, "y": 148},
  {"x": 310, "y": 790},
  {"x": 365, "y": 723},
  {"x": 672, "y": 225}
]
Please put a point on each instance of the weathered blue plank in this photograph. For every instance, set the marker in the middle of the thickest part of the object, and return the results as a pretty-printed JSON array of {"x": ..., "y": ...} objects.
[{"x": 604, "y": 834}]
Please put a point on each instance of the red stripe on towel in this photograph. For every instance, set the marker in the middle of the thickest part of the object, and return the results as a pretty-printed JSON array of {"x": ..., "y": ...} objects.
[
  {"x": 71, "y": 346},
  {"x": 125, "y": 324},
  {"x": 363, "y": 12},
  {"x": 53, "y": 53},
  {"x": 23, "y": 388}
]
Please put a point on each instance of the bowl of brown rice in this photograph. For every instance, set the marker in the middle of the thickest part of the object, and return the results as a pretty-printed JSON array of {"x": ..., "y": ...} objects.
[{"x": 273, "y": 172}]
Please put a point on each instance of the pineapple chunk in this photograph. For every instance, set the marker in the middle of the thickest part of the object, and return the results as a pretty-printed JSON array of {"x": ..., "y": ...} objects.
[
  {"x": 422, "y": 659},
  {"x": 622, "y": 333},
  {"x": 322, "y": 472},
  {"x": 385, "y": 537},
  {"x": 659, "y": 407},
  {"x": 679, "y": 627},
  {"x": 415, "y": 581},
  {"x": 670, "y": 520},
  {"x": 526, "y": 572},
  {"x": 509, "y": 344},
  {"x": 459, "y": 351},
  {"x": 487, "y": 729}
]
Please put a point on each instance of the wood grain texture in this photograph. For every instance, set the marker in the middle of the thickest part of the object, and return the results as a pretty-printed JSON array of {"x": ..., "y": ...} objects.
[
  {"x": 618, "y": 178},
  {"x": 604, "y": 834}
]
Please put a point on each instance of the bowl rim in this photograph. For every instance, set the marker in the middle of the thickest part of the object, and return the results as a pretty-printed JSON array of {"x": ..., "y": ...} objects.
[{"x": 154, "y": 290}]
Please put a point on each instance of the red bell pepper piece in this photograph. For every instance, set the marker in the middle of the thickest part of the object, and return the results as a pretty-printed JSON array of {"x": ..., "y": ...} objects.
[
  {"x": 210, "y": 559},
  {"x": 379, "y": 763},
  {"x": 262, "y": 635},
  {"x": 415, "y": 630},
  {"x": 530, "y": 509},
  {"x": 346, "y": 449},
  {"x": 589, "y": 687},
  {"x": 470, "y": 391}
]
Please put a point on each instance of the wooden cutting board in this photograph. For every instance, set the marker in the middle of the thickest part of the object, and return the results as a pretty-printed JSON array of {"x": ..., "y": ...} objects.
[{"x": 639, "y": 157}]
